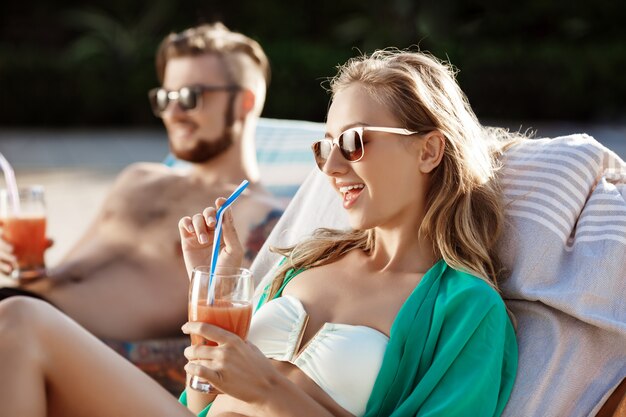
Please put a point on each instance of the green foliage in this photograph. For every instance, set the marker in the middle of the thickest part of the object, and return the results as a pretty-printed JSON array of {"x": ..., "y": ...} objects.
[{"x": 76, "y": 64}]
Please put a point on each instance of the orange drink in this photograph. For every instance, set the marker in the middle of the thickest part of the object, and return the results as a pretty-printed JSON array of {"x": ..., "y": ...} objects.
[
  {"x": 28, "y": 237},
  {"x": 24, "y": 226},
  {"x": 223, "y": 298},
  {"x": 232, "y": 316}
]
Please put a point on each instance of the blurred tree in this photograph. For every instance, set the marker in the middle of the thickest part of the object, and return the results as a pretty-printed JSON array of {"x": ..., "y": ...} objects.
[
  {"x": 76, "y": 64},
  {"x": 110, "y": 54}
]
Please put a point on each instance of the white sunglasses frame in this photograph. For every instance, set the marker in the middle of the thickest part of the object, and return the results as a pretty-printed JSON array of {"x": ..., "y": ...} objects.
[{"x": 359, "y": 130}]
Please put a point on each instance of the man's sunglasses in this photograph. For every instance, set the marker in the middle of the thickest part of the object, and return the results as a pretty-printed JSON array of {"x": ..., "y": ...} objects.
[
  {"x": 350, "y": 143},
  {"x": 188, "y": 98}
]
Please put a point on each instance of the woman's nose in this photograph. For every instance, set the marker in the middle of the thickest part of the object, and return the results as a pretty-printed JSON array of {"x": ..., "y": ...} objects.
[{"x": 335, "y": 164}]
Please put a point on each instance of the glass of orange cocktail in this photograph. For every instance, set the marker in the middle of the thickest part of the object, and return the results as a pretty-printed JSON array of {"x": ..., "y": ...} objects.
[
  {"x": 24, "y": 227},
  {"x": 223, "y": 299}
]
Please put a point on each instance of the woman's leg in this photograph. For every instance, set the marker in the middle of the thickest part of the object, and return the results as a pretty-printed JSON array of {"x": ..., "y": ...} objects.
[{"x": 49, "y": 365}]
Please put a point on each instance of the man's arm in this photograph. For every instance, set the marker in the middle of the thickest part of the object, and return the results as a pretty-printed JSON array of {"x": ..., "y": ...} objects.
[{"x": 124, "y": 183}]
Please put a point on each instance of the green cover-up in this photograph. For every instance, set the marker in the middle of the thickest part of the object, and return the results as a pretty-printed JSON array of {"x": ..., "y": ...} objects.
[{"x": 451, "y": 351}]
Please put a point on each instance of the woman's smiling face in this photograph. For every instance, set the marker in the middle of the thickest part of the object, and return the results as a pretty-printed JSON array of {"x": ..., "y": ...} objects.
[{"x": 385, "y": 188}]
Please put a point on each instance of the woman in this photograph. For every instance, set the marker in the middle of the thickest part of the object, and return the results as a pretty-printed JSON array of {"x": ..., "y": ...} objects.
[
  {"x": 422, "y": 204},
  {"x": 381, "y": 319}
]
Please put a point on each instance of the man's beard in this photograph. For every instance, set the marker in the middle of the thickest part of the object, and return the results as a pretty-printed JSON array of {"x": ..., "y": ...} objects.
[{"x": 204, "y": 150}]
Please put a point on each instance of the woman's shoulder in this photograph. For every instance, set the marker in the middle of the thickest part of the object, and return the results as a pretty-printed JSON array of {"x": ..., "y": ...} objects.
[{"x": 462, "y": 289}]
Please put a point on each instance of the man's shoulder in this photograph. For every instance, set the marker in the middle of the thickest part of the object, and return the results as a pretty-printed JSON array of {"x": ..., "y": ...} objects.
[
  {"x": 146, "y": 168},
  {"x": 146, "y": 171}
]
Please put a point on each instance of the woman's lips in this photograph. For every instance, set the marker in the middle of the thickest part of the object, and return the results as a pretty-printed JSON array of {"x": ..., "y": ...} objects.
[{"x": 351, "y": 194}]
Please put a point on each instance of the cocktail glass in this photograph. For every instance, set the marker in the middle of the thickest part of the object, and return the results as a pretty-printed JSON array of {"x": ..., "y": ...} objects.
[
  {"x": 24, "y": 227},
  {"x": 222, "y": 298}
]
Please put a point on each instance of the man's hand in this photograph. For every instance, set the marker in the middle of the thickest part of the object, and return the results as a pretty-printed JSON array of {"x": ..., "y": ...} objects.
[{"x": 8, "y": 261}]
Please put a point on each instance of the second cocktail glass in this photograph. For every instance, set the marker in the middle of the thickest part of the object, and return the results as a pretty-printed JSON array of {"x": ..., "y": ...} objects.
[
  {"x": 224, "y": 300},
  {"x": 24, "y": 227}
]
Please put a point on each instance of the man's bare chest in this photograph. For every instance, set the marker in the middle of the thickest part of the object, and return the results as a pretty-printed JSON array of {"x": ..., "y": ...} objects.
[{"x": 154, "y": 213}]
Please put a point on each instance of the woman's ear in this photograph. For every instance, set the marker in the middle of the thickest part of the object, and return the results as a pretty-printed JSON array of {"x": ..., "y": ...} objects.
[{"x": 433, "y": 146}]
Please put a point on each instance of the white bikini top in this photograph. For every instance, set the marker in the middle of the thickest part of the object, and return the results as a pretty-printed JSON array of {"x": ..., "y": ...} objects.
[{"x": 342, "y": 359}]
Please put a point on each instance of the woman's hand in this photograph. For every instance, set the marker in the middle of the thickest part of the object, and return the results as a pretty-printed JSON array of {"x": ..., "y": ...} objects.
[
  {"x": 234, "y": 367},
  {"x": 196, "y": 238}
]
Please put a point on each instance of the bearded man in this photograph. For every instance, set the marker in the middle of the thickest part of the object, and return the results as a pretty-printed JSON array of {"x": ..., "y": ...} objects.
[{"x": 125, "y": 278}]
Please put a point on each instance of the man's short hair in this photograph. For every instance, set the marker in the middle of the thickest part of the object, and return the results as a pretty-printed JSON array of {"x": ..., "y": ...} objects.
[{"x": 244, "y": 59}]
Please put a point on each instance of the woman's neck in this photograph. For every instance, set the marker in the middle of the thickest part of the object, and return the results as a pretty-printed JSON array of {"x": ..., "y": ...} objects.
[{"x": 401, "y": 250}]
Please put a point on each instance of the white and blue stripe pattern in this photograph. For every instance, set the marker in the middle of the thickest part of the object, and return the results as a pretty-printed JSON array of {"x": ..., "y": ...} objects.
[
  {"x": 570, "y": 185},
  {"x": 284, "y": 153}
]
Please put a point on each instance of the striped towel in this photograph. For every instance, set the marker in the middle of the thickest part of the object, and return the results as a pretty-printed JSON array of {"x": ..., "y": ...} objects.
[
  {"x": 566, "y": 248},
  {"x": 565, "y": 243},
  {"x": 284, "y": 153}
]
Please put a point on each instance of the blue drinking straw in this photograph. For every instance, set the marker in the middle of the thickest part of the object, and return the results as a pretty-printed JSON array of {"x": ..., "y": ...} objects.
[{"x": 218, "y": 232}]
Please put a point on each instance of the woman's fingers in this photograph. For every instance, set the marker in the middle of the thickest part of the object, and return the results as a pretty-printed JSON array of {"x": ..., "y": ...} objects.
[
  {"x": 202, "y": 353},
  {"x": 210, "y": 332},
  {"x": 229, "y": 234},
  {"x": 200, "y": 228},
  {"x": 233, "y": 366},
  {"x": 204, "y": 372},
  {"x": 219, "y": 202},
  {"x": 231, "y": 238},
  {"x": 185, "y": 227},
  {"x": 196, "y": 225}
]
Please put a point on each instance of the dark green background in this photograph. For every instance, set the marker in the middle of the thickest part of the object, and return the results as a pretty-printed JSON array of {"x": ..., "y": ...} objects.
[{"x": 76, "y": 63}]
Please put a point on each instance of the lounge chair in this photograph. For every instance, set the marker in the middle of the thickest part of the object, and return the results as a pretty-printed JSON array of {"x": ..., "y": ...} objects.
[{"x": 565, "y": 245}]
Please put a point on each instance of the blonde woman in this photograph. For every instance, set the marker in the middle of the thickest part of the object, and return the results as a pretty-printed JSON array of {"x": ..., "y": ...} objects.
[{"x": 400, "y": 316}]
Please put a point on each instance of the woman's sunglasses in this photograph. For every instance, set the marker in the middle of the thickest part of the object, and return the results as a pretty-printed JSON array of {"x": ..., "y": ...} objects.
[
  {"x": 188, "y": 98},
  {"x": 350, "y": 143}
]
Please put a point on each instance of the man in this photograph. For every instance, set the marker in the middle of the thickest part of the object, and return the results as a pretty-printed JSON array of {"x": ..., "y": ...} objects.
[{"x": 125, "y": 278}]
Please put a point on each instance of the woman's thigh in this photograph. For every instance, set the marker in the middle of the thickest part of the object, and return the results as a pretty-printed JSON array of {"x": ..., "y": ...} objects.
[{"x": 82, "y": 376}]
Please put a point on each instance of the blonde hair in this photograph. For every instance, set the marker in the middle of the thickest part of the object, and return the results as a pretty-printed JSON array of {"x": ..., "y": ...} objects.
[
  {"x": 245, "y": 62},
  {"x": 464, "y": 208}
]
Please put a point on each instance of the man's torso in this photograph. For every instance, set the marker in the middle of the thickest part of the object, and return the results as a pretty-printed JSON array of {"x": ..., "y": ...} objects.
[{"x": 126, "y": 279}]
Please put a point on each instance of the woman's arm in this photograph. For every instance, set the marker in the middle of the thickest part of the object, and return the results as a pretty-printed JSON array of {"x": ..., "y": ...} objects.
[
  {"x": 240, "y": 369},
  {"x": 287, "y": 399},
  {"x": 197, "y": 401}
]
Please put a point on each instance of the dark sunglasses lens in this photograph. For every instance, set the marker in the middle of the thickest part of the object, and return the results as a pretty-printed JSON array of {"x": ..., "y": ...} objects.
[
  {"x": 155, "y": 98},
  {"x": 351, "y": 145},
  {"x": 321, "y": 150},
  {"x": 162, "y": 99},
  {"x": 188, "y": 98}
]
